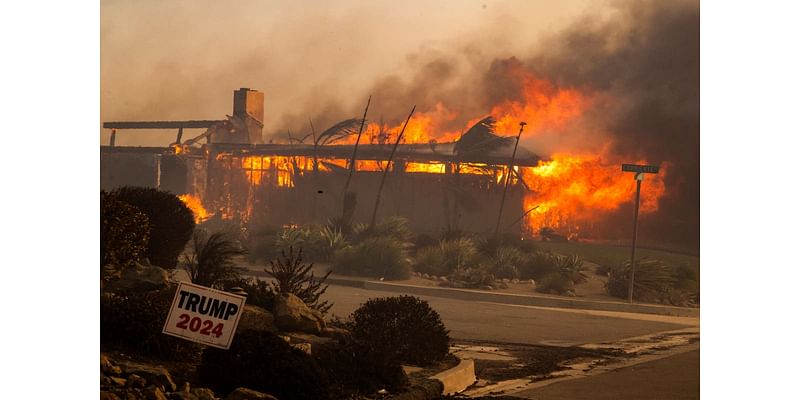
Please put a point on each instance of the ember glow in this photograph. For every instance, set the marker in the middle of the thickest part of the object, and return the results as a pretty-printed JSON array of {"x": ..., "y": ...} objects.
[{"x": 196, "y": 205}]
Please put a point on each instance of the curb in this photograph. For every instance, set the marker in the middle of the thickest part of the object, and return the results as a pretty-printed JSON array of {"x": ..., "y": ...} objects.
[
  {"x": 510, "y": 298},
  {"x": 458, "y": 378}
]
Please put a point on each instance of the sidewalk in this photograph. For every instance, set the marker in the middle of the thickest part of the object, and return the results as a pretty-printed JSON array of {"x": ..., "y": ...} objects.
[{"x": 507, "y": 298}]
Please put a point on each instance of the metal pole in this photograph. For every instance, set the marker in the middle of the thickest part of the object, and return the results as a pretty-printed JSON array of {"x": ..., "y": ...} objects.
[
  {"x": 508, "y": 176},
  {"x": 386, "y": 170},
  {"x": 639, "y": 177}
]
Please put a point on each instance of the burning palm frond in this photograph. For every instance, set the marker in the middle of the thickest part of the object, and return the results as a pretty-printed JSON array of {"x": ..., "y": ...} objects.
[
  {"x": 339, "y": 131},
  {"x": 481, "y": 139}
]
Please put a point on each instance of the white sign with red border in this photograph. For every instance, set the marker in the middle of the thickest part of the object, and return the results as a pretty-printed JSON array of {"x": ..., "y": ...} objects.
[{"x": 204, "y": 315}]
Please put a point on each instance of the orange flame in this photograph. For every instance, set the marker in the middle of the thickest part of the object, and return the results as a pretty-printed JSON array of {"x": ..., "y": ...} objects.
[{"x": 194, "y": 204}]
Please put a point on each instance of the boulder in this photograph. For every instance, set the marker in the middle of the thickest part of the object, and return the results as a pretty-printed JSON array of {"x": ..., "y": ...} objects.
[
  {"x": 154, "y": 393},
  {"x": 336, "y": 333},
  {"x": 248, "y": 394},
  {"x": 204, "y": 394},
  {"x": 291, "y": 314},
  {"x": 256, "y": 318},
  {"x": 141, "y": 278},
  {"x": 107, "y": 367},
  {"x": 105, "y": 395},
  {"x": 315, "y": 342},
  {"x": 304, "y": 347},
  {"x": 153, "y": 374}
]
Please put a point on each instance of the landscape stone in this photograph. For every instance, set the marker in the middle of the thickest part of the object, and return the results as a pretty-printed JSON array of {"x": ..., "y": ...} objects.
[
  {"x": 204, "y": 394},
  {"x": 106, "y": 395},
  {"x": 292, "y": 315},
  {"x": 153, "y": 374},
  {"x": 248, "y": 394},
  {"x": 256, "y": 318},
  {"x": 154, "y": 393},
  {"x": 141, "y": 278}
]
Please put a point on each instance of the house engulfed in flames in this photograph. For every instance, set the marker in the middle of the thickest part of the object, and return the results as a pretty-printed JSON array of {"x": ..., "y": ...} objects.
[{"x": 233, "y": 175}]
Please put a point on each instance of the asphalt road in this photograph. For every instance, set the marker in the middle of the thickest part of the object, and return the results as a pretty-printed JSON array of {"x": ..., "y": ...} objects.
[
  {"x": 672, "y": 378},
  {"x": 517, "y": 324}
]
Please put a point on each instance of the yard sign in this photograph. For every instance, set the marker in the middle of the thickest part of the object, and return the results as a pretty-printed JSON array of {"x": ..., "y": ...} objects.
[{"x": 204, "y": 315}]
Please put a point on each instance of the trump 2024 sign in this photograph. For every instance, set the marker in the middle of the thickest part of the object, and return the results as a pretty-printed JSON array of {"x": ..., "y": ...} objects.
[{"x": 204, "y": 315}]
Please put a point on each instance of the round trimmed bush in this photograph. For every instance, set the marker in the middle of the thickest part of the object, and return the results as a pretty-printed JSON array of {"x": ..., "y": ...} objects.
[
  {"x": 404, "y": 328},
  {"x": 123, "y": 232},
  {"x": 377, "y": 257},
  {"x": 264, "y": 362},
  {"x": 171, "y": 222}
]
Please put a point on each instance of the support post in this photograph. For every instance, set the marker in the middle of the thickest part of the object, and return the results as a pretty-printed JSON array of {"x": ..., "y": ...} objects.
[
  {"x": 639, "y": 177},
  {"x": 113, "y": 137},
  {"x": 508, "y": 179}
]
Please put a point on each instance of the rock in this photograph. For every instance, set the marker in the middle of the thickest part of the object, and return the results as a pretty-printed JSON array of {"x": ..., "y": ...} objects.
[
  {"x": 107, "y": 367},
  {"x": 515, "y": 281},
  {"x": 506, "y": 280},
  {"x": 204, "y": 394},
  {"x": 135, "y": 381},
  {"x": 533, "y": 282},
  {"x": 141, "y": 278},
  {"x": 118, "y": 381},
  {"x": 503, "y": 285},
  {"x": 292, "y": 315},
  {"x": 336, "y": 333},
  {"x": 426, "y": 276},
  {"x": 154, "y": 374},
  {"x": 444, "y": 279},
  {"x": 304, "y": 347},
  {"x": 316, "y": 342},
  {"x": 248, "y": 394},
  {"x": 256, "y": 318},
  {"x": 105, "y": 395},
  {"x": 154, "y": 393}
]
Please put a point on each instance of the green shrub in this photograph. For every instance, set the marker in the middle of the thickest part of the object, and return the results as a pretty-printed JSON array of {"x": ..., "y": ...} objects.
[
  {"x": 653, "y": 281},
  {"x": 538, "y": 264},
  {"x": 259, "y": 292},
  {"x": 264, "y": 362},
  {"x": 554, "y": 283},
  {"x": 404, "y": 329},
  {"x": 506, "y": 261},
  {"x": 211, "y": 261},
  {"x": 133, "y": 322},
  {"x": 292, "y": 276},
  {"x": 477, "y": 276},
  {"x": 260, "y": 243},
  {"x": 171, "y": 222},
  {"x": 378, "y": 257},
  {"x": 323, "y": 242},
  {"x": 572, "y": 268},
  {"x": 393, "y": 227},
  {"x": 354, "y": 370},
  {"x": 124, "y": 233},
  {"x": 446, "y": 257}
]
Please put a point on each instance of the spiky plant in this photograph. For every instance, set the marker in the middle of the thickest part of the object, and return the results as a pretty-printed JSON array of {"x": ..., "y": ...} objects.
[
  {"x": 653, "y": 280},
  {"x": 293, "y": 276},
  {"x": 211, "y": 261},
  {"x": 572, "y": 268}
]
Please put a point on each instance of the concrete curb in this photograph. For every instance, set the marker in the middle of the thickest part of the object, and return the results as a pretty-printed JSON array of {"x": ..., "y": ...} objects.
[
  {"x": 458, "y": 378},
  {"x": 528, "y": 300},
  {"x": 511, "y": 298}
]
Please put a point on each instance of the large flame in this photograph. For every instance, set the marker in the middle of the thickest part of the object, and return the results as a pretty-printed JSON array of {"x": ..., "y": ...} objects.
[
  {"x": 194, "y": 204},
  {"x": 567, "y": 192}
]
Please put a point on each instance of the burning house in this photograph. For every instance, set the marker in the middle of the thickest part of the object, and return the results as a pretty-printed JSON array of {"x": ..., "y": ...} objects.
[{"x": 228, "y": 172}]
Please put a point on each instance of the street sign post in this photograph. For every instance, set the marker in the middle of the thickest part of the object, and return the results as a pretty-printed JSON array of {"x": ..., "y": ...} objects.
[
  {"x": 639, "y": 170},
  {"x": 204, "y": 315}
]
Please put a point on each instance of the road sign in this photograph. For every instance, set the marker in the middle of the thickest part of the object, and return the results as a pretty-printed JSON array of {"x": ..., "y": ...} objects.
[
  {"x": 204, "y": 315},
  {"x": 648, "y": 169}
]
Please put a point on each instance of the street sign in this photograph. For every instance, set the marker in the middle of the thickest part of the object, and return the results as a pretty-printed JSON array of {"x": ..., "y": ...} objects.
[
  {"x": 648, "y": 169},
  {"x": 204, "y": 315}
]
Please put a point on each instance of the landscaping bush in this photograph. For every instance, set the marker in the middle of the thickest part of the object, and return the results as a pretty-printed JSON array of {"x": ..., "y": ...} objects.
[
  {"x": 264, "y": 362},
  {"x": 572, "y": 268},
  {"x": 537, "y": 265},
  {"x": 393, "y": 227},
  {"x": 292, "y": 276},
  {"x": 506, "y": 261},
  {"x": 133, "y": 321},
  {"x": 378, "y": 257},
  {"x": 477, "y": 276},
  {"x": 404, "y": 329},
  {"x": 653, "y": 281},
  {"x": 446, "y": 257},
  {"x": 211, "y": 262},
  {"x": 124, "y": 233},
  {"x": 554, "y": 283},
  {"x": 354, "y": 370},
  {"x": 259, "y": 292},
  {"x": 171, "y": 222},
  {"x": 323, "y": 242},
  {"x": 260, "y": 243}
]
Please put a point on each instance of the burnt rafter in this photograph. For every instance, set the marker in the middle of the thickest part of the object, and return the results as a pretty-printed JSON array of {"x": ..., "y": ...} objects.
[
  {"x": 377, "y": 152},
  {"x": 191, "y": 124}
]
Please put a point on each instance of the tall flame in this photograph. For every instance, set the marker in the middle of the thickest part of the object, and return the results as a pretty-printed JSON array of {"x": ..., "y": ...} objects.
[{"x": 194, "y": 204}]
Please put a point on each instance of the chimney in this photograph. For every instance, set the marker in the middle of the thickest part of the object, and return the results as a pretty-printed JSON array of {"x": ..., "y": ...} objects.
[{"x": 248, "y": 106}]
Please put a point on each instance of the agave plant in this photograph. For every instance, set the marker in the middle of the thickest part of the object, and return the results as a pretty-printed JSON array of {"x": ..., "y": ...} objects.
[
  {"x": 572, "y": 268},
  {"x": 294, "y": 237},
  {"x": 653, "y": 280},
  {"x": 329, "y": 241},
  {"x": 293, "y": 276}
]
